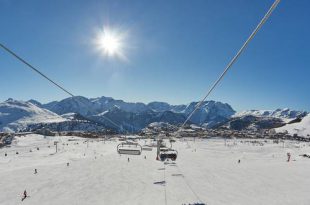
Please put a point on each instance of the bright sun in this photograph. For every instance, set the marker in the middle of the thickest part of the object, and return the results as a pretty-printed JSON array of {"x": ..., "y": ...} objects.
[{"x": 110, "y": 43}]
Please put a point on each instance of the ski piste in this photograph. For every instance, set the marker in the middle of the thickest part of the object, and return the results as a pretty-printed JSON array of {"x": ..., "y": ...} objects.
[{"x": 203, "y": 167}]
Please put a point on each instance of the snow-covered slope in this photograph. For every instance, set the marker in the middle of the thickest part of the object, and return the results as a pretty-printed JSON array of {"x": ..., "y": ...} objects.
[
  {"x": 17, "y": 115},
  {"x": 300, "y": 128},
  {"x": 285, "y": 114},
  {"x": 205, "y": 171}
]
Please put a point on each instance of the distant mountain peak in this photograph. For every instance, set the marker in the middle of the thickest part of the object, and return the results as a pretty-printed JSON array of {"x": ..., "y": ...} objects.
[
  {"x": 9, "y": 100},
  {"x": 17, "y": 115},
  {"x": 35, "y": 102}
]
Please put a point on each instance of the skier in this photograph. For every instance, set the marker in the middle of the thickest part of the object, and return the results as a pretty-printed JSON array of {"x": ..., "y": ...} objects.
[
  {"x": 239, "y": 161},
  {"x": 288, "y": 157},
  {"x": 25, "y": 195},
  {"x": 35, "y": 171},
  {"x": 144, "y": 157},
  {"x": 67, "y": 164},
  {"x": 128, "y": 159}
]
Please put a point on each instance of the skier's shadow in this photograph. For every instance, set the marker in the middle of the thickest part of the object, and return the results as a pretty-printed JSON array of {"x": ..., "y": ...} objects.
[{"x": 160, "y": 183}]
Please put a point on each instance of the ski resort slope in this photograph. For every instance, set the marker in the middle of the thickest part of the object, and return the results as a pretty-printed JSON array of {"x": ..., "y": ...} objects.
[
  {"x": 206, "y": 171},
  {"x": 300, "y": 128}
]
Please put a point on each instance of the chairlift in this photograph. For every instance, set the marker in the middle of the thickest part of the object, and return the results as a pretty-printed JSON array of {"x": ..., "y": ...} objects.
[
  {"x": 164, "y": 153},
  {"x": 129, "y": 148},
  {"x": 147, "y": 148},
  {"x": 168, "y": 153}
]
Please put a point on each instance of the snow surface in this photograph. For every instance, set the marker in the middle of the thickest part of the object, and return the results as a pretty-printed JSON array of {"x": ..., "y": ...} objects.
[
  {"x": 300, "y": 128},
  {"x": 205, "y": 171}
]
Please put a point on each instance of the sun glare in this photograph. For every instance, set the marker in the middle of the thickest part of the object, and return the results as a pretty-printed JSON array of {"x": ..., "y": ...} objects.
[{"x": 110, "y": 43}]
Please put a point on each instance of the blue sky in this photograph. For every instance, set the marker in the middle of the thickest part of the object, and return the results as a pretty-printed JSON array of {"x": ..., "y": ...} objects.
[{"x": 175, "y": 50}]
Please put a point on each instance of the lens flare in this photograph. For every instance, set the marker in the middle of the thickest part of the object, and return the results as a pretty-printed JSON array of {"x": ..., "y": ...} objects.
[{"x": 110, "y": 43}]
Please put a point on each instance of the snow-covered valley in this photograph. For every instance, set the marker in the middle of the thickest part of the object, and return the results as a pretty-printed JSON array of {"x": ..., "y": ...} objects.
[{"x": 206, "y": 171}]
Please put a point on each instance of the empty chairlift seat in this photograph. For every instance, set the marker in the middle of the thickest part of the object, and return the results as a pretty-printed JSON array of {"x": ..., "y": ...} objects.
[
  {"x": 129, "y": 148},
  {"x": 147, "y": 148}
]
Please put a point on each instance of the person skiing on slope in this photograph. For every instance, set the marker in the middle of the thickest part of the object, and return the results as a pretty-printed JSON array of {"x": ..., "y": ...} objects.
[
  {"x": 288, "y": 157},
  {"x": 25, "y": 195}
]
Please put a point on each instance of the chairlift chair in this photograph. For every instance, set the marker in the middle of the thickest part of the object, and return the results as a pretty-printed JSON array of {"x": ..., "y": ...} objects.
[
  {"x": 166, "y": 153},
  {"x": 147, "y": 148},
  {"x": 129, "y": 148}
]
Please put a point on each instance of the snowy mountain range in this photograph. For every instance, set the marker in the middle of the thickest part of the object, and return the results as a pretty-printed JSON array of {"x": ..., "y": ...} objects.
[
  {"x": 286, "y": 114},
  {"x": 103, "y": 110},
  {"x": 135, "y": 116},
  {"x": 80, "y": 113}
]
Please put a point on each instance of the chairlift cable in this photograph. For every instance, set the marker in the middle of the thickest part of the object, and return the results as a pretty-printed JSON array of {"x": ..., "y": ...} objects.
[
  {"x": 189, "y": 186},
  {"x": 165, "y": 184},
  {"x": 50, "y": 80},
  {"x": 35, "y": 69},
  {"x": 234, "y": 59}
]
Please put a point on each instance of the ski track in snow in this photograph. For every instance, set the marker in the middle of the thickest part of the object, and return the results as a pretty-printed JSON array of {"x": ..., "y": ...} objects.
[{"x": 210, "y": 174}]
